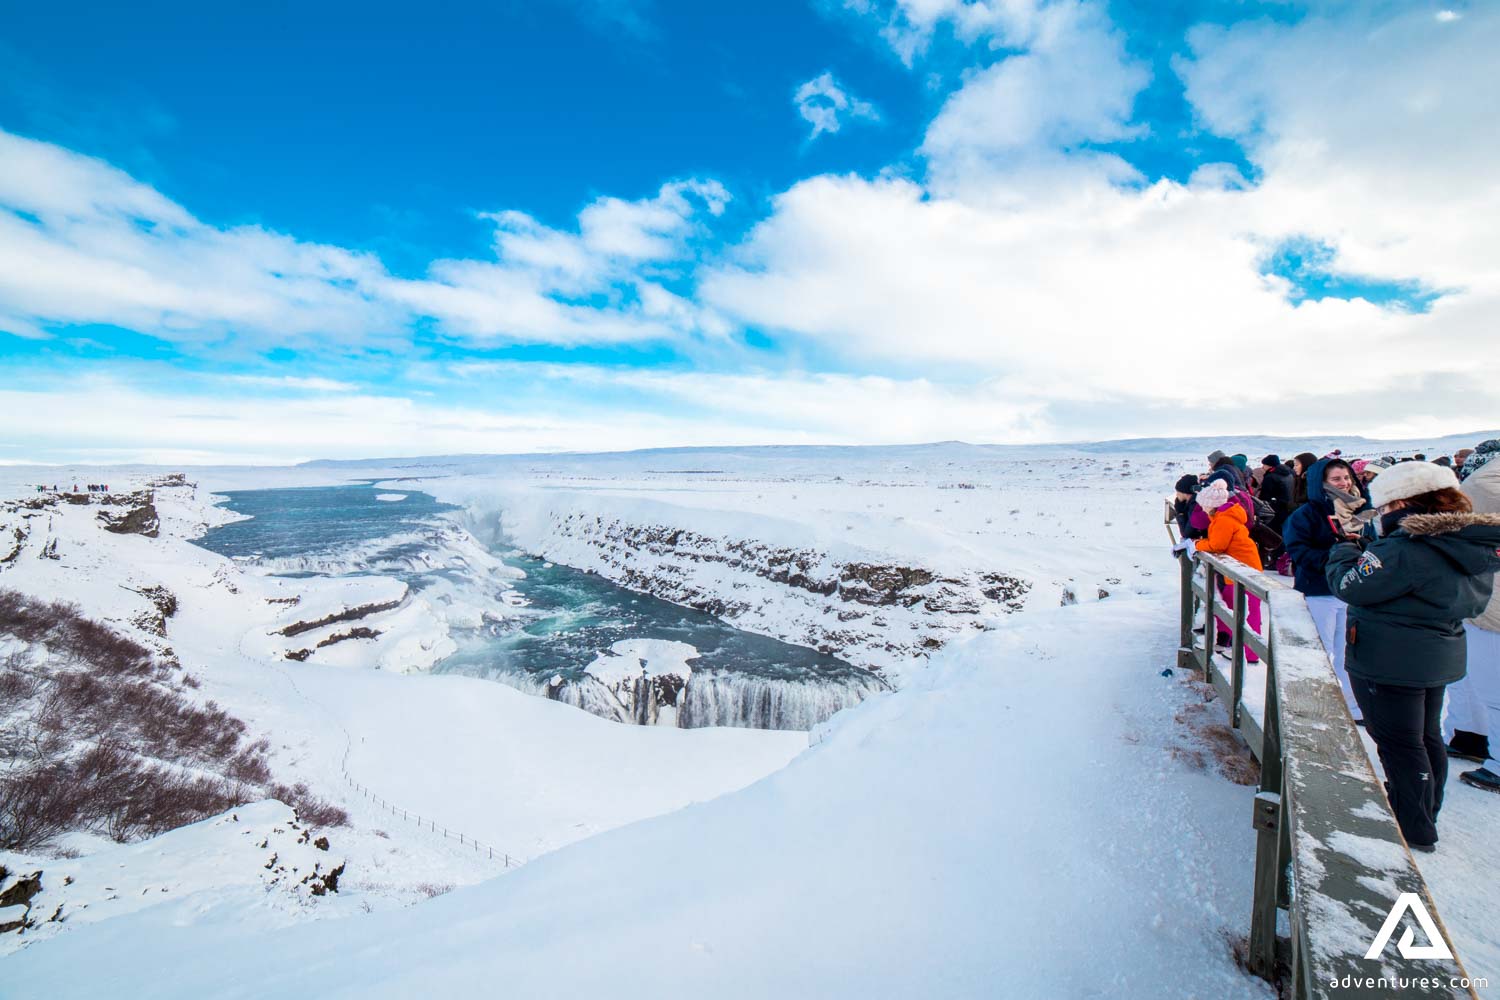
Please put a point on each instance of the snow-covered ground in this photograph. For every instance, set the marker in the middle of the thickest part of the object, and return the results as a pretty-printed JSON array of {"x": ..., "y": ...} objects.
[
  {"x": 520, "y": 773},
  {"x": 966, "y": 836},
  {"x": 1035, "y": 810}
]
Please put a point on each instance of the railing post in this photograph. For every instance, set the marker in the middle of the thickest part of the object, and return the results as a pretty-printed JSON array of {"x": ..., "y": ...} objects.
[
  {"x": 1270, "y": 840},
  {"x": 1237, "y": 657},
  {"x": 1210, "y": 627},
  {"x": 1185, "y": 640}
]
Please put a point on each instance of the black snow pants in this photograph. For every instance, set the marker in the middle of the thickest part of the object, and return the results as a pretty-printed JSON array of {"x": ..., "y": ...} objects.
[{"x": 1406, "y": 724}]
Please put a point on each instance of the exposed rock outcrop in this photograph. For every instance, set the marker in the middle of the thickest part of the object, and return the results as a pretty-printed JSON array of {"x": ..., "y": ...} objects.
[
  {"x": 347, "y": 615},
  {"x": 140, "y": 519},
  {"x": 864, "y": 611}
]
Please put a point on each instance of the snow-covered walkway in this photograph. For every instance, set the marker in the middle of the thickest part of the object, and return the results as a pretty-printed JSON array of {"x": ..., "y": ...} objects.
[
  {"x": 1462, "y": 880},
  {"x": 1012, "y": 824}
]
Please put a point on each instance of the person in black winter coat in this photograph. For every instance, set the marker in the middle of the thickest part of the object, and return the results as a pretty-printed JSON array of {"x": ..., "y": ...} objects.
[
  {"x": 1276, "y": 487},
  {"x": 1182, "y": 506},
  {"x": 1409, "y": 591}
]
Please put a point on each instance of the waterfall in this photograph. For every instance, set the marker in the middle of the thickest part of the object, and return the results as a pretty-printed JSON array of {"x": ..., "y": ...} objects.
[
  {"x": 716, "y": 698},
  {"x": 709, "y": 698}
]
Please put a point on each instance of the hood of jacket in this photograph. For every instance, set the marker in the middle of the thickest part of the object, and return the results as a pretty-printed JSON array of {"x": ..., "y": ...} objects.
[
  {"x": 1470, "y": 541},
  {"x": 1316, "y": 494},
  {"x": 1235, "y": 511}
]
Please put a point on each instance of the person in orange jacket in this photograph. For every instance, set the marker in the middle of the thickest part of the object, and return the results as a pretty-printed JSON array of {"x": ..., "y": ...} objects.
[
  {"x": 1228, "y": 527},
  {"x": 1229, "y": 535}
]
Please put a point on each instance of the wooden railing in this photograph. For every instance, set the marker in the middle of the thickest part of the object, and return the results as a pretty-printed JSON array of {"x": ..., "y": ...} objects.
[{"x": 1328, "y": 853}]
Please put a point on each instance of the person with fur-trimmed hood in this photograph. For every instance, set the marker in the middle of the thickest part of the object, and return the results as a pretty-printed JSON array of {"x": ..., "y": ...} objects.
[{"x": 1431, "y": 565}]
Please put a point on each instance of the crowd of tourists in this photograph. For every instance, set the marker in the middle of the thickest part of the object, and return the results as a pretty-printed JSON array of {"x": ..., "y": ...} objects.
[{"x": 1396, "y": 557}]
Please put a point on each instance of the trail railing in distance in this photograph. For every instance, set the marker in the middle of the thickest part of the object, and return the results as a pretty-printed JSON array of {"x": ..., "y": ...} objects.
[
  {"x": 425, "y": 822},
  {"x": 1328, "y": 853}
]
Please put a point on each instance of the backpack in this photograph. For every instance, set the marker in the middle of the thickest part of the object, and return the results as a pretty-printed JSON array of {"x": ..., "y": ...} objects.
[{"x": 1265, "y": 512}]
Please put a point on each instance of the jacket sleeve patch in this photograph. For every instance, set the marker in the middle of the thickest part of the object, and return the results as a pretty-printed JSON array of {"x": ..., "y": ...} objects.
[{"x": 1368, "y": 565}]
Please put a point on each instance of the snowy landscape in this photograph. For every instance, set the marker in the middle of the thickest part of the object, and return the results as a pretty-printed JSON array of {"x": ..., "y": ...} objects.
[
  {"x": 1023, "y": 774},
  {"x": 636, "y": 499}
]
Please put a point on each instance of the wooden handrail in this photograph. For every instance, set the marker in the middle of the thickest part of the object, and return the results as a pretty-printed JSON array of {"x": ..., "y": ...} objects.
[{"x": 1328, "y": 851}]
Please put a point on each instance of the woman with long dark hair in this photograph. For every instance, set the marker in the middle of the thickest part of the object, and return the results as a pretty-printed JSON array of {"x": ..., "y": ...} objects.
[{"x": 1431, "y": 565}]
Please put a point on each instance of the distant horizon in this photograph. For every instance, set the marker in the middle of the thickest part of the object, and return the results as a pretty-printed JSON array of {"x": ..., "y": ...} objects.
[{"x": 1168, "y": 443}]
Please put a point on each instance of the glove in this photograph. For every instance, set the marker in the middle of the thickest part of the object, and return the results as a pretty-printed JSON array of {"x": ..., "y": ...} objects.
[{"x": 1185, "y": 547}]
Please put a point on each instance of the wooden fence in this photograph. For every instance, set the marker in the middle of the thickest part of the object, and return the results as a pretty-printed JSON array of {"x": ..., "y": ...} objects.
[{"x": 1329, "y": 860}]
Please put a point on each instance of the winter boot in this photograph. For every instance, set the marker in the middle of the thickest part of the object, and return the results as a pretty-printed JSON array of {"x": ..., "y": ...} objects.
[
  {"x": 1482, "y": 777},
  {"x": 1469, "y": 746}
]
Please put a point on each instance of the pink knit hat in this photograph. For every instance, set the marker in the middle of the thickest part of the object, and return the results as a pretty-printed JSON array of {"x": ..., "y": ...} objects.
[{"x": 1213, "y": 496}]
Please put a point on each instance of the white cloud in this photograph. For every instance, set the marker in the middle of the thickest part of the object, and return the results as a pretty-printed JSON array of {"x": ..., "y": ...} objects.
[
  {"x": 550, "y": 407},
  {"x": 1375, "y": 131},
  {"x": 1021, "y": 290},
  {"x": 82, "y": 242},
  {"x": 1036, "y": 267},
  {"x": 1073, "y": 84},
  {"x": 909, "y": 25},
  {"x": 546, "y": 285},
  {"x": 554, "y": 408},
  {"x": 825, "y": 105},
  {"x": 295, "y": 382}
]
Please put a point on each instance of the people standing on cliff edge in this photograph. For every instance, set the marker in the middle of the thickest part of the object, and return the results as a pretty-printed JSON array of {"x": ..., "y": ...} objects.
[
  {"x": 1309, "y": 535},
  {"x": 1431, "y": 565}
]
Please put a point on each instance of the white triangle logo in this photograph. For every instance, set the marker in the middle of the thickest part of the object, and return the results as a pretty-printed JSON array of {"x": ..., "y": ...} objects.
[{"x": 1437, "y": 948}]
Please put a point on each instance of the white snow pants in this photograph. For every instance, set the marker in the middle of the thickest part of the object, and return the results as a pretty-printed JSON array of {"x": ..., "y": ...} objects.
[
  {"x": 1330, "y": 615},
  {"x": 1474, "y": 702}
]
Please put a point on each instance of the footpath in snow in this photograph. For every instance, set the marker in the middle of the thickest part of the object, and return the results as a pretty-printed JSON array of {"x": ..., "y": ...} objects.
[{"x": 1016, "y": 822}]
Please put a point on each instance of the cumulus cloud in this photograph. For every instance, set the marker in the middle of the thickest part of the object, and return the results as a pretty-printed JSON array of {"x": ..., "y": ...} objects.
[
  {"x": 1024, "y": 258},
  {"x": 547, "y": 284},
  {"x": 83, "y": 242},
  {"x": 1019, "y": 284},
  {"x": 825, "y": 105},
  {"x": 1072, "y": 85},
  {"x": 908, "y": 26}
]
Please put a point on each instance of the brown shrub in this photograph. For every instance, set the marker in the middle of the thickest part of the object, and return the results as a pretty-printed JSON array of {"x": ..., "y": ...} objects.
[
  {"x": 103, "y": 733},
  {"x": 310, "y": 809}
]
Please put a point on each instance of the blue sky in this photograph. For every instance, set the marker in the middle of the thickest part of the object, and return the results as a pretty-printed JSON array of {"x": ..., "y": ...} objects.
[{"x": 603, "y": 223}]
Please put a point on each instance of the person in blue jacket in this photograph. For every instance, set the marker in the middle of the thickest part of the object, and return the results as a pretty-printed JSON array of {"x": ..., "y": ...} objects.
[{"x": 1308, "y": 536}]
